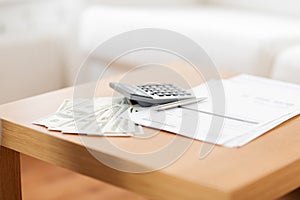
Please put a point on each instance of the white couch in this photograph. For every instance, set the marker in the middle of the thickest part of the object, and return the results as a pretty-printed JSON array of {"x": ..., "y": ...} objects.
[
  {"x": 30, "y": 65},
  {"x": 235, "y": 34},
  {"x": 32, "y": 55},
  {"x": 287, "y": 65},
  {"x": 257, "y": 37}
]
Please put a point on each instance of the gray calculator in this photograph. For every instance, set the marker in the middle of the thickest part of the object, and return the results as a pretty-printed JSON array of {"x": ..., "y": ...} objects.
[{"x": 152, "y": 94}]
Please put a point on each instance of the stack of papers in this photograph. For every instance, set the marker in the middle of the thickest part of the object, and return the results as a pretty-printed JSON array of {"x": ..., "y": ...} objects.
[
  {"x": 98, "y": 116},
  {"x": 253, "y": 106}
]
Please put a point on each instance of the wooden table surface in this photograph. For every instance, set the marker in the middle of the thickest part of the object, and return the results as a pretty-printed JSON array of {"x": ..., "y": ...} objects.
[{"x": 266, "y": 168}]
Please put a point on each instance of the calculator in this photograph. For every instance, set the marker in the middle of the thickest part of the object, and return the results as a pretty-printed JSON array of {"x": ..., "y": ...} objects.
[{"x": 152, "y": 94}]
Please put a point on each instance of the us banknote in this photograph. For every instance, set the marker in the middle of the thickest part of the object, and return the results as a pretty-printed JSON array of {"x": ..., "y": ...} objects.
[{"x": 97, "y": 116}]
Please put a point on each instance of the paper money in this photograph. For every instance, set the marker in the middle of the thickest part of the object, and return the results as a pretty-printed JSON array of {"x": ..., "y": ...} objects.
[{"x": 98, "y": 116}]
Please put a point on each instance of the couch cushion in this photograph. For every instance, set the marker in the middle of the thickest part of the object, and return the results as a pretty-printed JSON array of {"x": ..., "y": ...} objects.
[
  {"x": 147, "y": 2},
  {"x": 287, "y": 7},
  {"x": 30, "y": 65},
  {"x": 236, "y": 40},
  {"x": 287, "y": 65}
]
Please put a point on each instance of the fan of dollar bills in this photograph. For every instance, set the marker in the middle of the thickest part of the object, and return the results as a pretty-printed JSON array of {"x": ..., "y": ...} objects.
[{"x": 98, "y": 116}]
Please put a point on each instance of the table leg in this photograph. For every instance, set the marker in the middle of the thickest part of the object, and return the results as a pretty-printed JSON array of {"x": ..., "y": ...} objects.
[{"x": 10, "y": 177}]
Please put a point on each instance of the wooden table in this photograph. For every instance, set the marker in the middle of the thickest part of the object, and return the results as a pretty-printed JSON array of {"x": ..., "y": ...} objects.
[{"x": 266, "y": 168}]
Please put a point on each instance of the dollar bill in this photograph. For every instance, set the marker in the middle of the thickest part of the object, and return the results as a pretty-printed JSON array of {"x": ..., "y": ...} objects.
[{"x": 98, "y": 116}]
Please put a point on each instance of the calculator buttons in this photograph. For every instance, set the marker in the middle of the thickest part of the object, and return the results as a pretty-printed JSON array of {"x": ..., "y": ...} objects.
[
  {"x": 164, "y": 91},
  {"x": 151, "y": 94}
]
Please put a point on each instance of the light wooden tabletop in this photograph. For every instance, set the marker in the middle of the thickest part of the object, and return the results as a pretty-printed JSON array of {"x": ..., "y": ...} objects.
[{"x": 266, "y": 168}]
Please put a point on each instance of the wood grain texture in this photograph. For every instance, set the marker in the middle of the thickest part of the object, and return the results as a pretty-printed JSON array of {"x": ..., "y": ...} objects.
[
  {"x": 41, "y": 180},
  {"x": 266, "y": 168},
  {"x": 10, "y": 179},
  {"x": 75, "y": 157}
]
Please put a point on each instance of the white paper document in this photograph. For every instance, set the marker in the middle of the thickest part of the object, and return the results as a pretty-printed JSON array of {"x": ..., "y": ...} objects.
[{"x": 251, "y": 107}]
